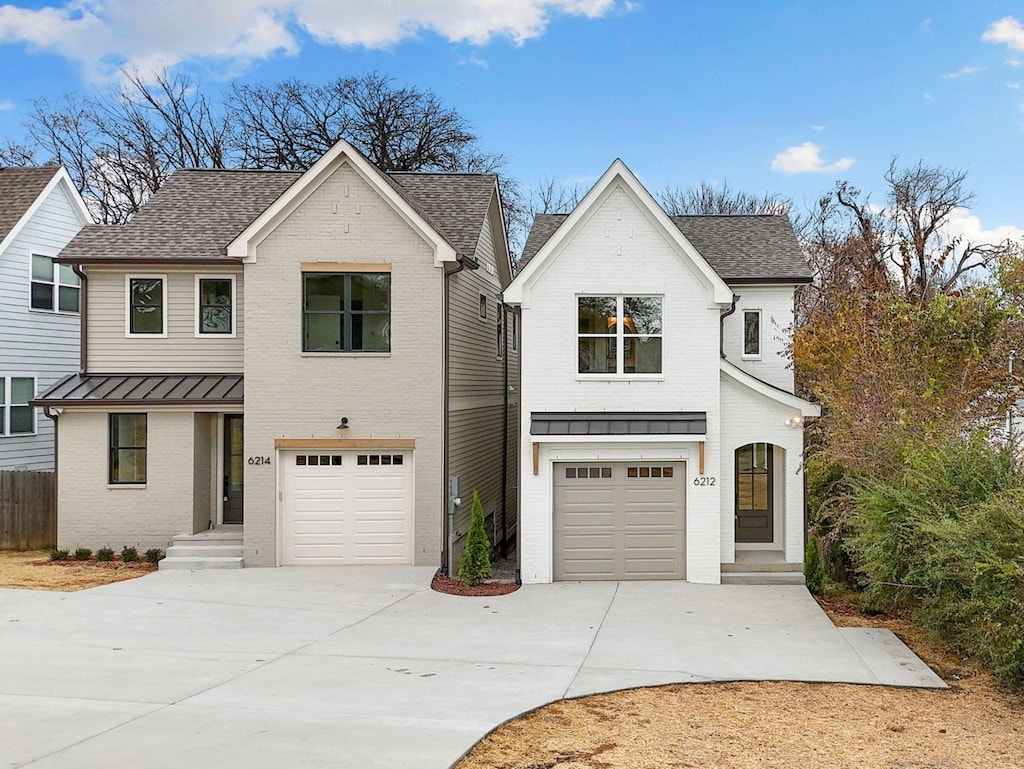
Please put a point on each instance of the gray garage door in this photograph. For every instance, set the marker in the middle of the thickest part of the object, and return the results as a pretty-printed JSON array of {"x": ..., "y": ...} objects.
[{"x": 618, "y": 520}]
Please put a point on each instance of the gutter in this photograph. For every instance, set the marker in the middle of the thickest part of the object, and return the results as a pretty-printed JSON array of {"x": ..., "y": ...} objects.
[
  {"x": 83, "y": 320},
  {"x": 504, "y": 435},
  {"x": 721, "y": 324},
  {"x": 448, "y": 531}
]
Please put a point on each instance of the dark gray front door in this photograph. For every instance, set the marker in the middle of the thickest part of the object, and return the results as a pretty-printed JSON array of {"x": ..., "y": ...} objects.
[
  {"x": 754, "y": 516},
  {"x": 233, "y": 468}
]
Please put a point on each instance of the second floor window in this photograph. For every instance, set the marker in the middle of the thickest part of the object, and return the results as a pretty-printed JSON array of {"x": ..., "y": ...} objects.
[
  {"x": 346, "y": 312},
  {"x": 751, "y": 333},
  {"x": 215, "y": 310},
  {"x": 146, "y": 305},
  {"x": 55, "y": 287},
  {"x": 619, "y": 335}
]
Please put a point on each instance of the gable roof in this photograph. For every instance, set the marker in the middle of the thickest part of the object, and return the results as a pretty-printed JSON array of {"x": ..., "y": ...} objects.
[
  {"x": 769, "y": 391},
  {"x": 618, "y": 176},
  {"x": 742, "y": 247},
  {"x": 198, "y": 213},
  {"x": 19, "y": 189}
]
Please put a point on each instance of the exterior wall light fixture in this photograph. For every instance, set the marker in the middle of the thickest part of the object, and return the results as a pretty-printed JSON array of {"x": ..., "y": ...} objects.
[
  {"x": 796, "y": 421},
  {"x": 343, "y": 425}
]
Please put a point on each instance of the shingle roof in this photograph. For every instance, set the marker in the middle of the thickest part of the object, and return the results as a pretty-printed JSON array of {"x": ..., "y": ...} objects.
[
  {"x": 193, "y": 217},
  {"x": 198, "y": 212},
  {"x": 19, "y": 188},
  {"x": 456, "y": 202},
  {"x": 133, "y": 389},
  {"x": 741, "y": 247}
]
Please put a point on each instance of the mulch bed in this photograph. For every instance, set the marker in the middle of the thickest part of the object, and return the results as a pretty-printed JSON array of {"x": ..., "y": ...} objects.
[
  {"x": 452, "y": 586},
  {"x": 92, "y": 563}
]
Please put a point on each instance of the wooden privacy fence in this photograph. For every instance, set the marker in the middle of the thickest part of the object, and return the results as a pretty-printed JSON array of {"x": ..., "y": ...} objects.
[{"x": 28, "y": 510}]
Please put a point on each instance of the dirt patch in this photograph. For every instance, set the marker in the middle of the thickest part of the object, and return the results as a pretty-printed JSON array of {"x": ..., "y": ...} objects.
[
  {"x": 35, "y": 571},
  {"x": 443, "y": 584},
  {"x": 777, "y": 725}
]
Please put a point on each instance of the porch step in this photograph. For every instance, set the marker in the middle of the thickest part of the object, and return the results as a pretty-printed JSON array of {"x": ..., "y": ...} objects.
[
  {"x": 748, "y": 566},
  {"x": 205, "y": 562},
  {"x": 194, "y": 550},
  {"x": 760, "y": 577}
]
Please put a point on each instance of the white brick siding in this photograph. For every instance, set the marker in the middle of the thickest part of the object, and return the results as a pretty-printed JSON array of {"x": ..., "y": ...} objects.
[{"x": 776, "y": 306}]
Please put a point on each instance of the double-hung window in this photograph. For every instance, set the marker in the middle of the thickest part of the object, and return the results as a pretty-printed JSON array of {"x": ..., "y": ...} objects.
[
  {"x": 55, "y": 287},
  {"x": 127, "y": 449},
  {"x": 751, "y": 333},
  {"x": 147, "y": 305},
  {"x": 17, "y": 417},
  {"x": 619, "y": 335},
  {"x": 346, "y": 312},
  {"x": 215, "y": 305}
]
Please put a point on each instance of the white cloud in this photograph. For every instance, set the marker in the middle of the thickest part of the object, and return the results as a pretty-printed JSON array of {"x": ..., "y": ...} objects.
[
  {"x": 927, "y": 97},
  {"x": 806, "y": 159},
  {"x": 1014, "y": 62},
  {"x": 1014, "y": 86},
  {"x": 961, "y": 72},
  {"x": 475, "y": 60},
  {"x": 817, "y": 128},
  {"x": 105, "y": 35},
  {"x": 968, "y": 227},
  {"x": 1007, "y": 31},
  {"x": 6, "y": 105}
]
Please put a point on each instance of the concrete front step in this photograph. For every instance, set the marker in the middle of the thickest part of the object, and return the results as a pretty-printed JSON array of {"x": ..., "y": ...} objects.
[
  {"x": 762, "y": 577},
  {"x": 193, "y": 564},
  {"x": 748, "y": 566},
  {"x": 196, "y": 550}
]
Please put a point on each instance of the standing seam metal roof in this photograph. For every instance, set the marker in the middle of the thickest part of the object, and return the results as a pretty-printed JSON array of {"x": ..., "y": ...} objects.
[{"x": 85, "y": 389}]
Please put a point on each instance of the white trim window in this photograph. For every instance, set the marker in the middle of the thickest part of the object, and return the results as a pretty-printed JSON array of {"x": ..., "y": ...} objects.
[
  {"x": 127, "y": 445},
  {"x": 499, "y": 329},
  {"x": 215, "y": 306},
  {"x": 619, "y": 335},
  {"x": 54, "y": 287},
  {"x": 515, "y": 330},
  {"x": 482, "y": 313},
  {"x": 751, "y": 334},
  {"x": 145, "y": 305},
  {"x": 17, "y": 417}
]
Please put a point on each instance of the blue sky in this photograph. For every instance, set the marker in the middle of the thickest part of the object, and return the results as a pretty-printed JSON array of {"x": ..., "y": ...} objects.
[{"x": 782, "y": 97}]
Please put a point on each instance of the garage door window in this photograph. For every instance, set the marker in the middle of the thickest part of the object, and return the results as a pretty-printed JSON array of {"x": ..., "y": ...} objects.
[
  {"x": 318, "y": 459},
  {"x": 649, "y": 472},
  {"x": 379, "y": 459},
  {"x": 588, "y": 472}
]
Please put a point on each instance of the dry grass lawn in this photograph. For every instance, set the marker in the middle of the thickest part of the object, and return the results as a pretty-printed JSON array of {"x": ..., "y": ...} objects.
[
  {"x": 776, "y": 725},
  {"x": 34, "y": 570}
]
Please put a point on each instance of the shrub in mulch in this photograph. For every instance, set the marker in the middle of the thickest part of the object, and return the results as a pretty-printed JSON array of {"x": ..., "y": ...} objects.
[
  {"x": 95, "y": 564},
  {"x": 452, "y": 586}
]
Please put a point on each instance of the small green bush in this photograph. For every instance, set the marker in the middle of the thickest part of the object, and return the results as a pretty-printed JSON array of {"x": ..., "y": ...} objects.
[
  {"x": 475, "y": 564},
  {"x": 129, "y": 554},
  {"x": 104, "y": 554},
  {"x": 83, "y": 554},
  {"x": 814, "y": 572},
  {"x": 154, "y": 555},
  {"x": 59, "y": 555}
]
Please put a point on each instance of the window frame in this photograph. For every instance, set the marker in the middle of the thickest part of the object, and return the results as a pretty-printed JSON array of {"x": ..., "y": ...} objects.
[
  {"x": 620, "y": 337},
  {"x": 55, "y": 283},
  {"x": 128, "y": 278},
  {"x": 111, "y": 449},
  {"x": 514, "y": 317},
  {"x": 482, "y": 311},
  {"x": 6, "y": 385},
  {"x": 199, "y": 333},
  {"x": 744, "y": 355},
  {"x": 346, "y": 312},
  {"x": 499, "y": 330}
]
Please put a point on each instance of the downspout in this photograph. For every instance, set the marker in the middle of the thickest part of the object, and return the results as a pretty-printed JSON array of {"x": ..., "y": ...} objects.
[
  {"x": 83, "y": 320},
  {"x": 51, "y": 414},
  {"x": 448, "y": 532},
  {"x": 504, "y": 436},
  {"x": 721, "y": 324}
]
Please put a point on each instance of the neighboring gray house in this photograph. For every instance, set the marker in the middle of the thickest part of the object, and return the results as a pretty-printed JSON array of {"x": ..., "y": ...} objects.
[
  {"x": 363, "y": 312},
  {"x": 40, "y": 211}
]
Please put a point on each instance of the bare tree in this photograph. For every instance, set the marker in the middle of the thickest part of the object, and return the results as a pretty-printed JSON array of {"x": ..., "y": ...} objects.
[
  {"x": 553, "y": 197},
  {"x": 13, "y": 153},
  {"x": 707, "y": 198}
]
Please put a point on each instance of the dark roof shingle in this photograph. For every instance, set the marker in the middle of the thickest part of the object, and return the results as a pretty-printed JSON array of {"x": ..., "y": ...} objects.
[
  {"x": 19, "y": 188},
  {"x": 740, "y": 247}
]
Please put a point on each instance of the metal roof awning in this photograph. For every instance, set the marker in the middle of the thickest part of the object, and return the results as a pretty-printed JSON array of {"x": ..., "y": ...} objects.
[
  {"x": 614, "y": 424},
  {"x": 144, "y": 390}
]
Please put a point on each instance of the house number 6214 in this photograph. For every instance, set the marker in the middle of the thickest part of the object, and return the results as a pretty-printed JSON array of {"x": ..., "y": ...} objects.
[
  {"x": 704, "y": 480},
  {"x": 259, "y": 460}
]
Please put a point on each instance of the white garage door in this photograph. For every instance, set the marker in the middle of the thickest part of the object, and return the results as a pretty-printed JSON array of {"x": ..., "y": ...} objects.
[
  {"x": 347, "y": 507},
  {"x": 618, "y": 521}
]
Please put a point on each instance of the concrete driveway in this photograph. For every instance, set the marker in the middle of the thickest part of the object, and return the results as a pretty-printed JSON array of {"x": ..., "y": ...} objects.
[{"x": 367, "y": 667}]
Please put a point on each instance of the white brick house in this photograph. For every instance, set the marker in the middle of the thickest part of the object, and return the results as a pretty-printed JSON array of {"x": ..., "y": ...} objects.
[
  {"x": 659, "y": 437},
  {"x": 298, "y": 361}
]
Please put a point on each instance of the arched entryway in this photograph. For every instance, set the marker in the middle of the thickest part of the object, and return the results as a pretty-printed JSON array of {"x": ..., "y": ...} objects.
[{"x": 755, "y": 498}]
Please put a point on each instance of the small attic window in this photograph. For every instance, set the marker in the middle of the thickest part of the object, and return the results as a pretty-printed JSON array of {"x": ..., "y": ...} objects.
[{"x": 483, "y": 307}]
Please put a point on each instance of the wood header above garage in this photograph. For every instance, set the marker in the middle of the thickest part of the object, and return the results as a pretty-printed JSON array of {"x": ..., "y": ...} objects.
[
  {"x": 344, "y": 443},
  {"x": 345, "y": 267}
]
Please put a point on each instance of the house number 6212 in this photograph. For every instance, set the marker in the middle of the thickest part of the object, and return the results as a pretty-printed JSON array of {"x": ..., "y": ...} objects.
[
  {"x": 259, "y": 460},
  {"x": 704, "y": 480}
]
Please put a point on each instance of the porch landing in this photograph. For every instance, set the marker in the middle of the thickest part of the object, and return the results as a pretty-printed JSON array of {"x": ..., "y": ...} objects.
[
  {"x": 217, "y": 548},
  {"x": 762, "y": 567}
]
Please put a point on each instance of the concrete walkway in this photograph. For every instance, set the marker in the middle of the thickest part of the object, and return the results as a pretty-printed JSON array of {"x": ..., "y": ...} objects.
[{"x": 367, "y": 667}]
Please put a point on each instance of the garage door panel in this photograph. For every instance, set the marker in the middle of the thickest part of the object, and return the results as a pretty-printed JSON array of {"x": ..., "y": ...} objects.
[
  {"x": 347, "y": 513},
  {"x": 619, "y": 521}
]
